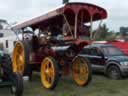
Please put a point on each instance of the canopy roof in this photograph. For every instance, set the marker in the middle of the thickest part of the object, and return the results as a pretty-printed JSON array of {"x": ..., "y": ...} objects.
[{"x": 84, "y": 11}]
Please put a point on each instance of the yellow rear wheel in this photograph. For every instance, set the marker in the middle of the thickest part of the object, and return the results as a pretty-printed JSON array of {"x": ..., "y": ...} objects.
[
  {"x": 18, "y": 58},
  {"x": 49, "y": 73},
  {"x": 81, "y": 71}
]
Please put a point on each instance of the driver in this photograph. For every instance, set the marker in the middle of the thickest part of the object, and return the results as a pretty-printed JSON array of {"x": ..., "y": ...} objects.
[
  {"x": 43, "y": 39},
  {"x": 27, "y": 35}
]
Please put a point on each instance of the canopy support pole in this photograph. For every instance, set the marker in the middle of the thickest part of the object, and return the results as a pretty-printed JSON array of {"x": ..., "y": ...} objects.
[
  {"x": 68, "y": 25},
  {"x": 91, "y": 34},
  {"x": 75, "y": 30}
]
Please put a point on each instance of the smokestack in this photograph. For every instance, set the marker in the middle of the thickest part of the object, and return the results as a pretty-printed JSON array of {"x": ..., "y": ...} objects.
[{"x": 65, "y": 1}]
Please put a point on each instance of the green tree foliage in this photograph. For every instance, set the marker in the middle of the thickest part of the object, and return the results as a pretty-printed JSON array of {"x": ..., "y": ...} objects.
[
  {"x": 124, "y": 32},
  {"x": 103, "y": 33}
]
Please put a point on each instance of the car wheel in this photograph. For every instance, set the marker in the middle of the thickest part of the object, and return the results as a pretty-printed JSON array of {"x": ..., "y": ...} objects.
[
  {"x": 113, "y": 72},
  {"x": 17, "y": 87}
]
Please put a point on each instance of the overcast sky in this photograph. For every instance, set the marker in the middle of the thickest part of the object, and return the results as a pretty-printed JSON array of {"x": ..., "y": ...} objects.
[{"x": 18, "y": 10}]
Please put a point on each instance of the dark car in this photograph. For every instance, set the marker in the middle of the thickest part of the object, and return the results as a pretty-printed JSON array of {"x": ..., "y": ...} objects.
[{"x": 106, "y": 58}]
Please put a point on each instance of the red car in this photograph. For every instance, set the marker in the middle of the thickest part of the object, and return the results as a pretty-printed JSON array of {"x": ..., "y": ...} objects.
[{"x": 122, "y": 45}]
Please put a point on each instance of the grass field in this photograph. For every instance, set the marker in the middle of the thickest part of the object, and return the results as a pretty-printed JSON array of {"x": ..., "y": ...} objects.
[{"x": 99, "y": 86}]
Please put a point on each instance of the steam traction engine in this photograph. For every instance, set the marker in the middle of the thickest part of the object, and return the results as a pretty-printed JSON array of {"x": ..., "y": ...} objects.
[{"x": 51, "y": 49}]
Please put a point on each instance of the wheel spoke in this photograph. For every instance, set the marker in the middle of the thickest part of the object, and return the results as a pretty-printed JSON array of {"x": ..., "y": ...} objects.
[
  {"x": 51, "y": 73},
  {"x": 50, "y": 70},
  {"x": 49, "y": 80},
  {"x": 46, "y": 62}
]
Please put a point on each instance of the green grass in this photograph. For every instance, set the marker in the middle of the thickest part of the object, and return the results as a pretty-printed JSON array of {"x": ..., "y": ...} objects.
[{"x": 99, "y": 86}]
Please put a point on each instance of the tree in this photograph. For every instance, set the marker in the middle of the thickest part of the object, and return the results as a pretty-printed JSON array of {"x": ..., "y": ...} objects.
[{"x": 103, "y": 33}]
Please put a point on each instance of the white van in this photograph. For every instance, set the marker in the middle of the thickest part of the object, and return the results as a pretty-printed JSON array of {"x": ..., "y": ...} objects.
[{"x": 8, "y": 40}]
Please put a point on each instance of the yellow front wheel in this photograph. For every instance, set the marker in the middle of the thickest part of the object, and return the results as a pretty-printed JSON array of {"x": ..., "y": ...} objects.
[
  {"x": 20, "y": 58},
  {"x": 49, "y": 73},
  {"x": 81, "y": 71}
]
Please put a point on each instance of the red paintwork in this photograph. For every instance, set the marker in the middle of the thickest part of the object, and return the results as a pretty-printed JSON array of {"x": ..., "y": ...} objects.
[
  {"x": 69, "y": 10},
  {"x": 81, "y": 43},
  {"x": 123, "y": 46},
  {"x": 41, "y": 54}
]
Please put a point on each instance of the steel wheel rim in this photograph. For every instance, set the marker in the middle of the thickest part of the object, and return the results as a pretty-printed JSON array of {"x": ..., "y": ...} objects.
[
  {"x": 18, "y": 58},
  {"x": 113, "y": 73},
  {"x": 47, "y": 73},
  {"x": 80, "y": 71}
]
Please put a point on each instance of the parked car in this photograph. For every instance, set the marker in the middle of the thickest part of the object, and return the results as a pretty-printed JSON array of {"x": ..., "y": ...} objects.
[{"x": 106, "y": 58}]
